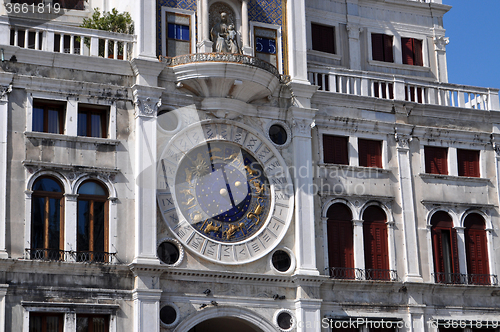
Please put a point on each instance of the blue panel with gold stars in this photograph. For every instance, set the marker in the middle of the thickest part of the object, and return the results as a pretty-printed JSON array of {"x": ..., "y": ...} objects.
[{"x": 222, "y": 191}]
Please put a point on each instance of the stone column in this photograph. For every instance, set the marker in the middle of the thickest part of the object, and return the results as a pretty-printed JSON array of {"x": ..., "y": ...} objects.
[
  {"x": 145, "y": 27},
  {"x": 4, "y": 120},
  {"x": 308, "y": 306},
  {"x": 3, "y": 292},
  {"x": 297, "y": 46},
  {"x": 246, "y": 49},
  {"x": 71, "y": 220},
  {"x": 409, "y": 224},
  {"x": 440, "y": 43},
  {"x": 304, "y": 196},
  {"x": 358, "y": 245},
  {"x": 147, "y": 101},
  {"x": 205, "y": 45},
  {"x": 462, "y": 256},
  {"x": 146, "y": 299}
]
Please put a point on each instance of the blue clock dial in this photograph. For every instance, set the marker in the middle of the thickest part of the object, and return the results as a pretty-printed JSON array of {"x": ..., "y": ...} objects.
[{"x": 223, "y": 191}]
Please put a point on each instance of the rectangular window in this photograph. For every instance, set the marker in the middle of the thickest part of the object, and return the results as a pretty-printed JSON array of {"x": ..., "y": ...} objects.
[
  {"x": 370, "y": 153},
  {"x": 382, "y": 47},
  {"x": 335, "y": 149},
  {"x": 92, "y": 323},
  {"x": 48, "y": 116},
  {"x": 45, "y": 322},
  {"x": 178, "y": 34},
  {"x": 468, "y": 162},
  {"x": 93, "y": 121},
  {"x": 436, "y": 160},
  {"x": 323, "y": 38},
  {"x": 412, "y": 51},
  {"x": 266, "y": 45}
]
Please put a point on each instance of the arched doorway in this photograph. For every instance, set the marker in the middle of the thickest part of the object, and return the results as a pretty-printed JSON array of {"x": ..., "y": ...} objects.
[{"x": 225, "y": 324}]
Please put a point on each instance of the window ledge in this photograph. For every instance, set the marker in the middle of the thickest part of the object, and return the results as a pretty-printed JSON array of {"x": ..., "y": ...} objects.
[
  {"x": 453, "y": 178},
  {"x": 355, "y": 168},
  {"x": 81, "y": 139},
  {"x": 70, "y": 167},
  {"x": 399, "y": 66},
  {"x": 325, "y": 54}
]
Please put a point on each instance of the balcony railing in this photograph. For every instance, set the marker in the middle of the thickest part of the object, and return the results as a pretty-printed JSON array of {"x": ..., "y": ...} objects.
[
  {"x": 395, "y": 87},
  {"x": 72, "y": 256},
  {"x": 56, "y": 38},
  {"x": 465, "y": 279},
  {"x": 362, "y": 274}
]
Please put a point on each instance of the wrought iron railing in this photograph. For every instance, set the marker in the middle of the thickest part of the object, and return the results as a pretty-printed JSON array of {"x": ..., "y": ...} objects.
[
  {"x": 465, "y": 279},
  {"x": 75, "y": 256},
  {"x": 46, "y": 254},
  {"x": 362, "y": 274}
]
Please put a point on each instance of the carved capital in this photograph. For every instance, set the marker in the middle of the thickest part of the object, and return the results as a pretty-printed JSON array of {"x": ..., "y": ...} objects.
[
  {"x": 496, "y": 146},
  {"x": 71, "y": 197},
  {"x": 353, "y": 31},
  {"x": 403, "y": 141},
  {"x": 4, "y": 91},
  {"x": 302, "y": 127},
  {"x": 146, "y": 106},
  {"x": 441, "y": 43}
]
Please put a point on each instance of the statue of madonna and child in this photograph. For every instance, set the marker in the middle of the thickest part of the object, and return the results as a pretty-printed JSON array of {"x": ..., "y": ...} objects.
[{"x": 224, "y": 37}]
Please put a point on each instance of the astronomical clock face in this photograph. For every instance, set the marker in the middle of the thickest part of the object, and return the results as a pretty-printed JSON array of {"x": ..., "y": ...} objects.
[{"x": 224, "y": 191}]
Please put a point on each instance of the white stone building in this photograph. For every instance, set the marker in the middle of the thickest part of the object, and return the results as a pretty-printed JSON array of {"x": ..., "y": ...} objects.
[{"x": 319, "y": 174}]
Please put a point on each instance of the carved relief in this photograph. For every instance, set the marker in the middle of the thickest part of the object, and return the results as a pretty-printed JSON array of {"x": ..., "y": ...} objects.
[
  {"x": 146, "y": 105},
  {"x": 302, "y": 127}
]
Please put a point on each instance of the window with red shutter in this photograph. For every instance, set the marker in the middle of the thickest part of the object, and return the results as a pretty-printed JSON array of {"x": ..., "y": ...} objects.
[
  {"x": 375, "y": 244},
  {"x": 468, "y": 162},
  {"x": 340, "y": 242},
  {"x": 436, "y": 160},
  {"x": 370, "y": 153},
  {"x": 412, "y": 51},
  {"x": 445, "y": 249},
  {"x": 323, "y": 38},
  {"x": 476, "y": 250},
  {"x": 382, "y": 47},
  {"x": 335, "y": 149}
]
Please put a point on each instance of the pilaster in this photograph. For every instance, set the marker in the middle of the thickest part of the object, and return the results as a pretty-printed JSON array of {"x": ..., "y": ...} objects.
[
  {"x": 4, "y": 121},
  {"x": 411, "y": 255},
  {"x": 302, "y": 120},
  {"x": 358, "y": 245},
  {"x": 145, "y": 27},
  {"x": 462, "y": 255},
  {"x": 3, "y": 292},
  {"x": 147, "y": 100},
  {"x": 297, "y": 47},
  {"x": 146, "y": 297},
  {"x": 70, "y": 218},
  {"x": 440, "y": 43},
  {"x": 353, "y": 31}
]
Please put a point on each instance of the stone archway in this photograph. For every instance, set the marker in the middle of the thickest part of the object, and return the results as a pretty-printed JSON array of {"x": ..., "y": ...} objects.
[
  {"x": 225, "y": 319},
  {"x": 225, "y": 324}
]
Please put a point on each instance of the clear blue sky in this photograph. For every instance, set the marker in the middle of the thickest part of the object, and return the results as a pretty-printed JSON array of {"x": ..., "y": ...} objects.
[{"x": 473, "y": 53}]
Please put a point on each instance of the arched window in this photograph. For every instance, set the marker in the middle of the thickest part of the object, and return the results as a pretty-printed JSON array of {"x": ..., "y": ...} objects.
[
  {"x": 375, "y": 244},
  {"x": 477, "y": 251},
  {"x": 445, "y": 250},
  {"x": 92, "y": 224},
  {"x": 340, "y": 242},
  {"x": 47, "y": 221}
]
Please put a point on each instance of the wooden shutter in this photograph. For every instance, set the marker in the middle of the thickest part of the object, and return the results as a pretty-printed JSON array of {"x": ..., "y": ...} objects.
[
  {"x": 417, "y": 50},
  {"x": 323, "y": 38},
  {"x": 476, "y": 247},
  {"x": 436, "y": 160},
  {"x": 468, "y": 163},
  {"x": 388, "y": 56},
  {"x": 407, "y": 45},
  {"x": 437, "y": 245},
  {"x": 377, "y": 47},
  {"x": 335, "y": 149},
  {"x": 375, "y": 242},
  {"x": 454, "y": 250},
  {"x": 370, "y": 153}
]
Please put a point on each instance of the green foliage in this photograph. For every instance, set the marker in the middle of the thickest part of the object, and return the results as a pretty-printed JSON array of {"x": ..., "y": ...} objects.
[{"x": 109, "y": 21}]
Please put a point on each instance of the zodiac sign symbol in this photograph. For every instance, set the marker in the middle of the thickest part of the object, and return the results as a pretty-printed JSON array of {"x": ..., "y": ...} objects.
[
  {"x": 211, "y": 228},
  {"x": 229, "y": 232},
  {"x": 196, "y": 216},
  {"x": 259, "y": 189},
  {"x": 257, "y": 212},
  {"x": 189, "y": 201},
  {"x": 250, "y": 170},
  {"x": 187, "y": 192}
]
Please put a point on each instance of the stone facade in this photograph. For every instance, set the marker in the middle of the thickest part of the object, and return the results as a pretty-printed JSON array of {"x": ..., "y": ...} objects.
[{"x": 113, "y": 148}]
